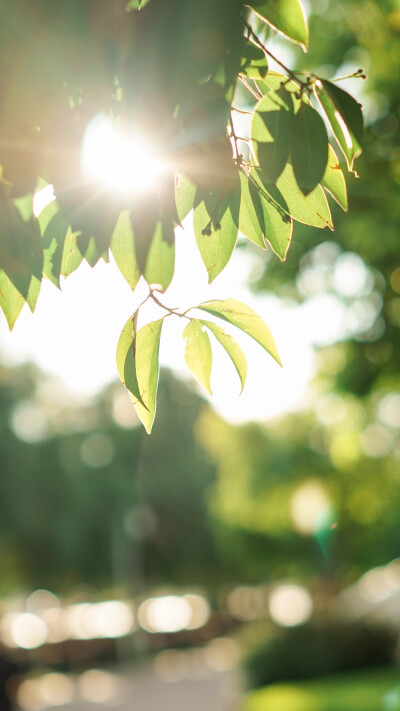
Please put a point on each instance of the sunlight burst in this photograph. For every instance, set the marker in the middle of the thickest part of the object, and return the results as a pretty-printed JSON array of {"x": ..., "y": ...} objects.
[{"x": 127, "y": 164}]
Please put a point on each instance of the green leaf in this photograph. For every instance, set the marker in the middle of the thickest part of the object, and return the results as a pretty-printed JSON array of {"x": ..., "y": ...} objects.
[
  {"x": 286, "y": 16},
  {"x": 71, "y": 256},
  {"x": 126, "y": 360},
  {"x": 161, "y": 257},
  {"x": 147, "y": 370},
  {"x": 122, "y": 248},
  {"x": 309, "y": 150},
  {"x": 185, "y": 192},
  {"x": 11, "y": 301},
  {"x": 277, "y": 225},
  {"x": 215, "y": 223},
  {"x": 345, "y": 117},
  {"x": 33, "y": 292},
  {"x": 232, "y": 348},
  {"x": 53, "y": 229},
  {"x": 198, "y": 353},
  {"x": 270, "y": 128},
  {"x": 246, "y": 319},
  {"x": 333, "y": 180},
  {"x": 250, "y": 213},
  {"x": 274, "y": 81},
  {"x": 311, "y": 209}
]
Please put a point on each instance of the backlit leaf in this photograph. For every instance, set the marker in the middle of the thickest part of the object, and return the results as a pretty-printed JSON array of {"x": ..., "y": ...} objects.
[
  {"x": 161, "y": 257},
  {"x": 215, "y": 223},
  {"x": 147, "y": 370},
  {"x": 277, "y": 225},
  {"x": 11, "y": 300},
  {"x": 198, "y": 353},
  {"x": 286, "y": 16},
  {"x": 250, "y": 213},
  {"x": 311, "y": 209},
  {"x": 232, "y": 348},
  {"x": 126, "y": 359},
  {"x": 309, "y": 151},
  {"x": 138, "y": 366},
  {"x": 333, "y": 180},
  {"x": 345, "y": 117},
  {"x": 185, "y": 192},
  {"x": 122, "y": 247},
  {"x": 71, "y": 256},
  {"x": 246, "y": 319},
  {"x": 270, "y": 128},
  {"x": 54, "y": 229}
]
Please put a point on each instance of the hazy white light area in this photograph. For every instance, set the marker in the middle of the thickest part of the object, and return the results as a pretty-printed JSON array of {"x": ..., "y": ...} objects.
[
  {"x": 29, "y": 422},
  {"x": 97, "y": 686},
  {"x": 350, "y": 276},
  {"x": 56, "y": 689},
  {"x": 373, "y": 586},
  {"x": 290, "y": 605},
  {"x": 389, "y": 410},
  {"x": 73, "y": 334},
  {"x": 28, "y": 631},
  {"x": 125, "y": 163},
  {"x": 43, "y": 198},
  {"x": 376, "y": 441},
  {"x": 310, "y": 508},
  {"x": 392, "y": 574},
  {"x": 170, "y": 613},
  {"x": 41, "y": 600}
]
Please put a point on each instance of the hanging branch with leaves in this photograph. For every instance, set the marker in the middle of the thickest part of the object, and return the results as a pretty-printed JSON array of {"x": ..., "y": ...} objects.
[{"x": 243, "y": 147}]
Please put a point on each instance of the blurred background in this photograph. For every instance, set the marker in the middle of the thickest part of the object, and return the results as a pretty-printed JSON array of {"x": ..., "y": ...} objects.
[{"x": 252, "y": 565}]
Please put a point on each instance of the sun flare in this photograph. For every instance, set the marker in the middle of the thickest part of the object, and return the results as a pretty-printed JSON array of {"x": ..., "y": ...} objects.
[{"x": 125, "y": 163}]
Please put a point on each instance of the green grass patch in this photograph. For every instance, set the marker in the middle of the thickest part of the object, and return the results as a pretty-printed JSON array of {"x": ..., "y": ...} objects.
[{"x": 369, "y": 690}]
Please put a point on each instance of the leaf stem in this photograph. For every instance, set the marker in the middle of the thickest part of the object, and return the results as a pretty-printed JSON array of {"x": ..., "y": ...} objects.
[{"x": 292, "y": 75}]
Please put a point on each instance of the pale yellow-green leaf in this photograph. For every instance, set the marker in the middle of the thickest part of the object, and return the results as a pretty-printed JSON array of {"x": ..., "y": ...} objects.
[{"x": 198, "y": 353}]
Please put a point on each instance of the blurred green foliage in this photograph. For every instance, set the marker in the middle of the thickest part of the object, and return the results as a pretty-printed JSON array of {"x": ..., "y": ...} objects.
[{"x": 370, "y": 691}]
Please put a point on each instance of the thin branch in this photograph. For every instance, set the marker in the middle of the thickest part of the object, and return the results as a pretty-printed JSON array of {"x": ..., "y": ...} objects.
[{"x": 291, "y": 75}]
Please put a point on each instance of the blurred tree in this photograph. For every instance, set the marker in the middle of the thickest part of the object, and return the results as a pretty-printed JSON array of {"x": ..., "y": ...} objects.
[
  {"x": 85, "y": 500},
  {"x": 347, "y": 445}
]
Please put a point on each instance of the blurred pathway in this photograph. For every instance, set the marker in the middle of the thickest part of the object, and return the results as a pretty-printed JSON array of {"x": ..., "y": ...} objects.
[{"x": 141, "y": 689}]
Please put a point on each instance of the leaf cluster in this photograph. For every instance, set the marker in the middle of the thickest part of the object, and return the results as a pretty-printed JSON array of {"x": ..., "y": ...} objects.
[{"x": 185, "y": 75}]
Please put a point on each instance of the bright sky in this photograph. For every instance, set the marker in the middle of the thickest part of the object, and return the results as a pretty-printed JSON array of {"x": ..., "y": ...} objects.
[{"x": 74, "y": 332}]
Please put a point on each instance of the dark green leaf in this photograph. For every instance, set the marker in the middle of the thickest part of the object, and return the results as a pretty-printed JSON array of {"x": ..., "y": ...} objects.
[
  {"x": 198, "y": 353},
  {"x": 161, "y": 257},
  {"x": 286, "y": 16},
  {"x": 345, "y": 117},
  {"x": 246, "y": 319},
  {"x": 309, "y": 149},
  {"x": 333, "y": 180},
  {"x": 215, "y": 223},
  {"x": 232, "y": 348},
  {"x": 123, "y": 249},
  {"x": 271, "y": 126}
]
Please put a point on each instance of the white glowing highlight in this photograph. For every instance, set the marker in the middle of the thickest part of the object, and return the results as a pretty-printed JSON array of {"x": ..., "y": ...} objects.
[
  {"x": 127, "y": 164},
  {"x": 345, "y": 130},
  {"x": 290, "y": 605}
]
